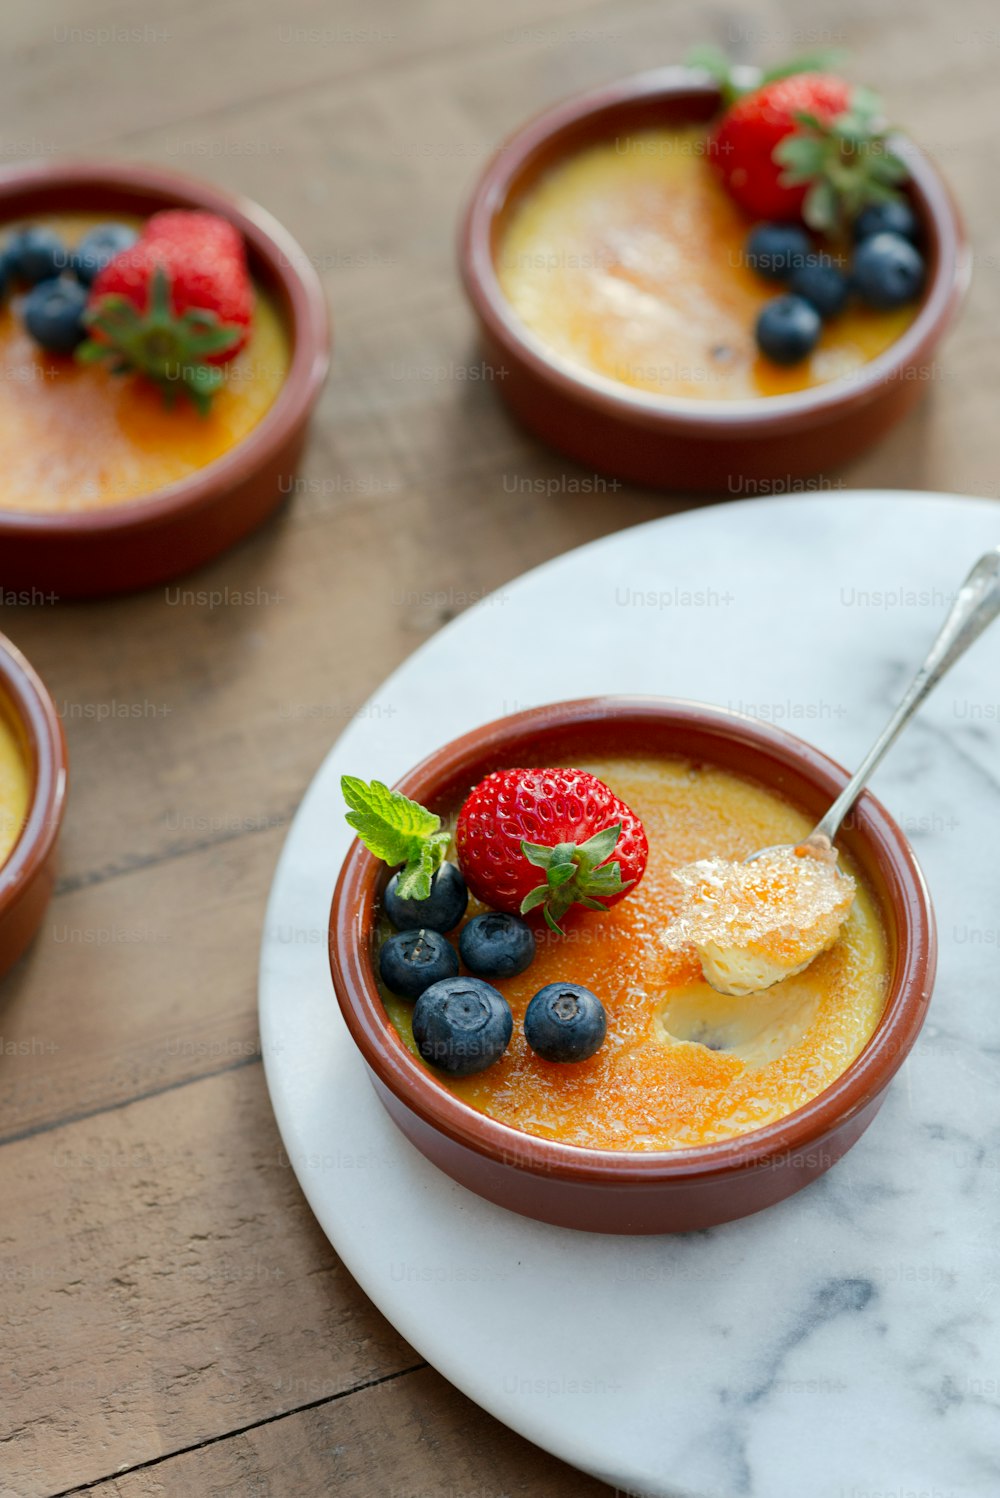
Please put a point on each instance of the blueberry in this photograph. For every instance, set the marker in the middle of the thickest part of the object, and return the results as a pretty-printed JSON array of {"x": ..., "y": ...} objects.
[
  {"x": 822, "y": 284},
  {"x": 411, "y": 961},
  {"x": 441, "y": 911},
  {"x": 53, "y": 314},
  {"x": 565, "y": 1022},
  {"x": 887, "y": 271},
  {"x": 497, "y": 945},
  {"x": 462, "y": 1025},
  {"x": 774, "y": 250},
  {"x": 98, "y": 247},
  {"x": 787, "y": 329},
  {"x": 35, "y": 255},
  {"x": 887, "y": 218}
]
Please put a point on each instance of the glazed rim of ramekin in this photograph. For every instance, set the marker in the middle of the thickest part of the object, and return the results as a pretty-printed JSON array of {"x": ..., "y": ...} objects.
[
  {"x": 285, "y": 264},
  {"x": 29, "y": 701},
  {"x": 515, "y": 160},
  {"x": 906, "y": 908}
]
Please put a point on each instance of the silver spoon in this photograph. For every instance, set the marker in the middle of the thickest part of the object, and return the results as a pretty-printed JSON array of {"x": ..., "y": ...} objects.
[{"x": 976, "y": 606}]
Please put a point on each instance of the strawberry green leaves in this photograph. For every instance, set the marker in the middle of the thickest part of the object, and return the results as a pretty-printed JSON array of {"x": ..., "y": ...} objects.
[
  {"x": 398, "y": 831},
  {"x": 169, "y": 349},
  {"x": 735, "y": 80},
  {"x": 575, "y": 874},
  {"x": 847, "y": 164}
]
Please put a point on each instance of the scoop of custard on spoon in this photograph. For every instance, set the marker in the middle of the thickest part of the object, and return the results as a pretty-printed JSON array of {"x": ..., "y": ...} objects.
[{"x": 756, "y": 922}]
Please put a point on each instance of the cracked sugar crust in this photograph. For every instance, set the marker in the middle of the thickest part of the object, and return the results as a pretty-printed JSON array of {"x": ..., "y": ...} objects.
[{"x": 784, "y": 907}]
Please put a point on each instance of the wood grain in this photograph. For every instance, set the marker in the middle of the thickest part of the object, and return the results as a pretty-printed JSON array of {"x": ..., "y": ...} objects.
[
  {"x": 167, "y": 1298},
  {"x": 164, "y": 1282},
  {"x": 410, "y": 1436}
]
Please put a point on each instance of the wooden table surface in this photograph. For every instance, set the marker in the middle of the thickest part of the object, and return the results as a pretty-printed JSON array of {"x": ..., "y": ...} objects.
[{"x": 174, "y": 1322}]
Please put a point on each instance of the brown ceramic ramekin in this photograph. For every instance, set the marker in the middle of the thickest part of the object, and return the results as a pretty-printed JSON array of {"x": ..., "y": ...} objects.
[
  {"x": 160, "y": 535},
  {"x": 27, "y": 878},
  {"x": 665, "y": 1191},
  {"x": 676, "y": 443}
]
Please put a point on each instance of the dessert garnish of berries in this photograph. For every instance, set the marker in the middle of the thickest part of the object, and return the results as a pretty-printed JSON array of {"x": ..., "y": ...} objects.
[
  {"x": 173, "y": 302},
  {"x": 809, "y": 155},
  {"x": 175, "y": 305},
  {"x": 527, "y": 840}
]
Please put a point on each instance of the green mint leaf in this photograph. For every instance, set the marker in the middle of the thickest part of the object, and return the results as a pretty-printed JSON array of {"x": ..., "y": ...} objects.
[
  {"x": 416, "y": 877},
  {"x": 389, "y": 824}
]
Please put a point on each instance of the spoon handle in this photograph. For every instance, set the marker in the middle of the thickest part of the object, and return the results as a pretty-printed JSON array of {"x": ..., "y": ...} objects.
[{"x": 976, "y": 606}]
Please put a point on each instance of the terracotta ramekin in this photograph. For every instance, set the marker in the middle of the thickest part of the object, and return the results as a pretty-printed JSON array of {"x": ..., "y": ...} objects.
[
  {"x": 666, "y": 1191},
  {"x": 690, "y": 444},
  {"x": 28, "y": 876},
  {"x": 147, "y": 540}
]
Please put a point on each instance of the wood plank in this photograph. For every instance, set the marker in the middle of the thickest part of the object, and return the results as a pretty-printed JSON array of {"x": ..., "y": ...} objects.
[
  {"x": 137, "y": 984},
  {"x": 170, "y": 64},
  {"x": 410, "y": 1437},
  {"x": 164, "y": 1282}
]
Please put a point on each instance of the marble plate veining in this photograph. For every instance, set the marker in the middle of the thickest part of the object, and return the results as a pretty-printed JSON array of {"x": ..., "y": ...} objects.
[{"x": 845, "y": 1344}]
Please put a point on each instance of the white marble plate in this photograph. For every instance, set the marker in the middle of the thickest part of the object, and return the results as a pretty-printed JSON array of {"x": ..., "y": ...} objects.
[{"x": 844, "y": 1344}]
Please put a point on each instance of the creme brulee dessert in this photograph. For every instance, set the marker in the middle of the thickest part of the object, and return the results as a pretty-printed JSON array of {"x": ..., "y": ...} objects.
[
  {"x": 681, "y": 1064},
  {"x": 82, "y": 437},
  {"x": 15, "y": 789},
  {"x": 628, "y": 261}
]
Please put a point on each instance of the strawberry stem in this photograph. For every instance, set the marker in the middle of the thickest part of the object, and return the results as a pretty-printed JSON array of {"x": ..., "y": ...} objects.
[
  {"x": 168, "y": 348},
  {"x": 575, "y": 874},
  {"x": 736, "y": 79},
  {"x": 846, "y": 164}
]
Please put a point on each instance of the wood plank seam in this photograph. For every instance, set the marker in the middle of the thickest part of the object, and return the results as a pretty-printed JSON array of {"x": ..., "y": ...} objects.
[
  {"x": 140, "y": 1097},
  {"x": 241, "y": 1430},
  {"x": 139, "y": 864}
]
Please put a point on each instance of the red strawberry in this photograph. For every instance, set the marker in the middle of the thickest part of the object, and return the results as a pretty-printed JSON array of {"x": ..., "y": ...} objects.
[
  {"x": 806, "y": 146},
  {"x": 176, "y": 303},
  {"x": 546, "y": 838},
  {"x": 187, "y": 227}
]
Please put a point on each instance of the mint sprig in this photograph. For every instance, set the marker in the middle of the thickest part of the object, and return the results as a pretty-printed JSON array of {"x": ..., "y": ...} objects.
[
  {"x": 575, "y": 874},
  {"x": 398, "y": 831}
]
